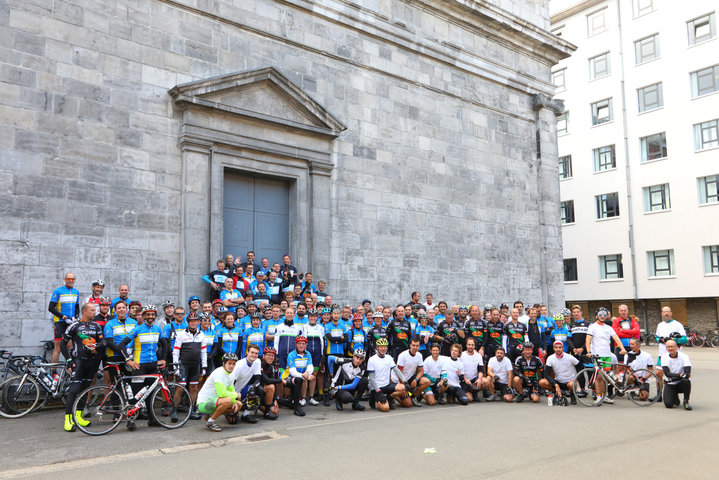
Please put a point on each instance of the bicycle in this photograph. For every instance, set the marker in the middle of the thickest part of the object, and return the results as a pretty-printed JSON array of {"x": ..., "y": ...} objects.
[
  {"x": 13, "y": 364},
  {"x": 640, "y": 386},
  {"x": 33, "y": 388},
  {"x": 694, "y": 339},
  {"x": 170, "y": 404}
]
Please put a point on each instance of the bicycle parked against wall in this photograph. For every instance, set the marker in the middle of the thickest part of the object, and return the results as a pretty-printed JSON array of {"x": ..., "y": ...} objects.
[
  {"x": 640, "y": 386},
  {"x": 34, "y": 387},
  {"x": 105, "y": 407},
  {"x": 694, "y": 338}
]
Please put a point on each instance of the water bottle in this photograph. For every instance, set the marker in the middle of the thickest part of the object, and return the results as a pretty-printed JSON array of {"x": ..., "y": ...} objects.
[
  {"x": 550, "y": 400},
  {"x": 46, "y": 378},
  {"x": 128, "y": 391},
  {"x": 140, "y": 393},
  {"x": 55, "y": 381}
]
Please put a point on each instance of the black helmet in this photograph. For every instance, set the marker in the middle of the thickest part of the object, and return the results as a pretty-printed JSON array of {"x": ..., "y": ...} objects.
[
  {"x": 229, "y": 356},
  {"x": 528, "y": 345}
]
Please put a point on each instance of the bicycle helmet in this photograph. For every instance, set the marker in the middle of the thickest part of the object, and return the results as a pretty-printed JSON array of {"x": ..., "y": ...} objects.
[
  {"x": 149, "y": 308},
  {"x": 105, "y": 301},
  {"x": 193, "y": 316},
  {"x": 300, "y": 338},
  {"x": 229, "y": 356},
  {"x": 602, "y": 310},
  {"x": 216, "y": 301},
  {"x": 377, "y": 315},
  {"x": 269, "y": 350},
  {"x": 205, "y": 316},
  {"x": 527, "y": 345},
  {"x": 560, "y": 401},
  {"x": 358, "y": 353},
  {"x": 194, "y": 297},
  {"x": 98, "y": 282},
  {"x": 488, "y": 307},
  {"x": 357, "y": 316},
  {"x": 558, "y": 316},
  {"x": 435, "y": 344},
  {"x": 382, "y": 342},
  {"x": 255, "y": 315},
  {"x": 312, "y": 311},
  {"x": 421, "y": 316},
  {"x": 326, "y": 310},
  {"x": 167, "y": 303},
  {"x": 222, "y": 310},
  {"x": 566, "y": 312}
]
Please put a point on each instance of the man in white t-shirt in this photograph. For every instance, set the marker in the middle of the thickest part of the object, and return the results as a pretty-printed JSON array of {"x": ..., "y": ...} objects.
[
  {"x": 667, "y": 329},
  {"x": 455, "y": 374},
  {"x": 677, "y": 370},
  {"x": 411, "y": 364},
  {"x": 563, "y": 369},
  {"x": 473, "y": 371},
  {"x": 500, "y": 374},
  {"x": 599, "y": 342},
  {"x": 379, "y": 367},
  {"x": 246, "y": 376}
]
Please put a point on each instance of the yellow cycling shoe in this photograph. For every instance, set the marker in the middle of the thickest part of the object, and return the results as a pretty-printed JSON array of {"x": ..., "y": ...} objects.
[
  {"x": 69, "y": 424},
  {"x": 79, "y": 420}
]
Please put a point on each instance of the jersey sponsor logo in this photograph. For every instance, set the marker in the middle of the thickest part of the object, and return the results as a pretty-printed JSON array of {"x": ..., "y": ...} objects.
[
  {"x": 494, "y": 334},
  {"x": 401, "y": 335},
  {"x": 517, "y": 335},
  {"x": 529, "y": 373}
]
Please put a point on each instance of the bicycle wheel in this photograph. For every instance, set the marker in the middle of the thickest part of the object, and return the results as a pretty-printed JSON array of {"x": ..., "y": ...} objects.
[
  {"x": 584, "y": 388},
  {"x": 714, "y": 341},
  {"x": 642, "y": 387},
  {"x": 103, "y": 410},
  {"x": 697, "y": 341},
  {"x": 171, "y": 408},
  {"x": 19, "y": 394}
]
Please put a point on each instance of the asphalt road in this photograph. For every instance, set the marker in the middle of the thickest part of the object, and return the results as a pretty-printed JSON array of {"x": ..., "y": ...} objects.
[{"x": 494, "y": 440}]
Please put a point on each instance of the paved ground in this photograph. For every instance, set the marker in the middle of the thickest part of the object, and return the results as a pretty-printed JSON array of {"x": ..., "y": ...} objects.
[{"x": 492, "y": 440}]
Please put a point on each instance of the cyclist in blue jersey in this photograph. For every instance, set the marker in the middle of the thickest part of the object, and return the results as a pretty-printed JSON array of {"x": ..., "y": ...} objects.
[
  {"x": 356, "y": 335},
  {"x": 425, "y": 333},
  {"x": 285, "y": 337},
  {"x": 115, "y": 332},
  {"x": 315, "y": 334},
  {"x": 148, "y": 353},
  {"x": 560, "y": 332},
  {"x": 349, "y": 381},
  {"x": 301, "y": 317},
  {"x": 255, "y": 335},
  {"x": 209, "y": 332},
  {"x": 170, "y": 332},
  {"x": 271, "y": 324},
  {"x": 65, "y": 307},
  {"x": 229, "y": 336},
  {"x": 124, "y": 292},
  {"x": 300, "y": 371}
]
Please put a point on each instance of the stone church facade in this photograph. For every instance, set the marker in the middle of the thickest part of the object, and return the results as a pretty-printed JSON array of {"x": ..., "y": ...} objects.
[{"x": 414, "y": 141}]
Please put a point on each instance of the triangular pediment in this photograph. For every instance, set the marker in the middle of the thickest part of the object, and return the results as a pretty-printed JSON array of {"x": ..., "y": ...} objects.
[{"x": 264, "y": 95}]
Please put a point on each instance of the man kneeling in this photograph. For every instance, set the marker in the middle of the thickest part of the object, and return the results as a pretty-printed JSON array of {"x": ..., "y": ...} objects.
[
  {"x": 379, "y": 367},
  {"x": 217, "y": 396}
]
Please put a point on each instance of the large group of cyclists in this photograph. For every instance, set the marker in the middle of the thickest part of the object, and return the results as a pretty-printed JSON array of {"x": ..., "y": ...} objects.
[{"x": 269, "y": 338}]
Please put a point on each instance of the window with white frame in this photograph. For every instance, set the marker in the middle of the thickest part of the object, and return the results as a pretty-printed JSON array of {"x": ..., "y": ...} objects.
[
  {"x": 706, "y": 135},
  {"x": 607, "y": 205},
  {"x": 650, "y": 97},
  {"x": 565, "y": 167},
  {"x": 570, "y": 270},
  {"x": 660, "y": 263},
  {"x": 563, "y": 124},
  {"x": 705, "y": 81},
  {"x": 610, "y": 267},
  {"x": 708, "y": 189},
  {"x": 656, "y": 198},
  {"x": 711, "y": 258},
  {"x": 567, "y": 211},
  {"x": 559, "y": 79},
  {"x": 646, "y": 49},
  {"x": 642, "y": 7},
  {"x": 701, "y": 29},
  {"x": 599, "y": 66},
  {"x": 597, "y": 22},
  {"x": 654, "y": 146},
  {"x": 604, "y": 158},
  {"x": 602, "y": 111}
]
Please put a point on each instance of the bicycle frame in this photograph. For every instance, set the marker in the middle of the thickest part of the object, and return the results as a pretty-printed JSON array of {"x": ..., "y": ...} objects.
[{"x": 128, "y": 379}]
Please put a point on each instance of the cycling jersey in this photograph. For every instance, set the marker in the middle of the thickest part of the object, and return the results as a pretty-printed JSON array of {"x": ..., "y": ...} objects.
[
  {"x": 229, "y": 338},
  {"x": 67, "y": 302},
  {"x": 85, "y": 336},
  {"x": 117, "y": 331},
  {"x": 219, "y": 384},
  {"x": 210, "y": 335},
  {"x": 446, "y": 329},
  {"x": 562, "y": 335},
  {"x": 335, "y": 333},
  {"x": 301, "y": 320},
  {"x": 514, "y": 335},
  {"x": 285, "y": 340},
  {"x": 493, "y": 338},
  {"x": 253, "y": 336},
  {"x": 356, "y": 339},
  {"x": 299, "y": 363},
  {"x": 171, "y": 331},
  {"x": 425, "y": 333},
  {"x": 270, "y": 325},
  {"x": 233, "y": 294},
  {"x": 244, "y": 322},
  {"x": 374, "y": 334},
  {"x": 476, "y": 329},
  {"x": 399, "y": 332},
  {"x": 102, "y": 321},
  {"x": 315, "y": 341},
  {"x": 528, "y": 369},
  {"x": 578, "y": 334},
  {"x": 118, "y": 299},
  {"x": 190, "y": 348},
  {"x": 146, "y": 339},
  {"x": 347, "y": 376}
]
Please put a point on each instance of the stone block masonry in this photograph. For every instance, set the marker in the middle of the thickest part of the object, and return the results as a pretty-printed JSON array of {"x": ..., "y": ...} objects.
[{"x": 430, "y": 180}]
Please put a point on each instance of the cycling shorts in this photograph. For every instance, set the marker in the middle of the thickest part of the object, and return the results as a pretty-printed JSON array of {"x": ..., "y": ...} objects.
[
  {"x": 59, "y": 329},
  {"x": 469, "y": 388},
  {"x": 208, "y": 407},
  {"x": 189, "y": 373},
  {"x": 502, "y": 388},
  {"x": 389, "y": 388},
  {"x": 605, "y": 362}
]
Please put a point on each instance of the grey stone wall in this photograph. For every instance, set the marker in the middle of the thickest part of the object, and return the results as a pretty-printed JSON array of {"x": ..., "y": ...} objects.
[{"x": 435, "y": 185}]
